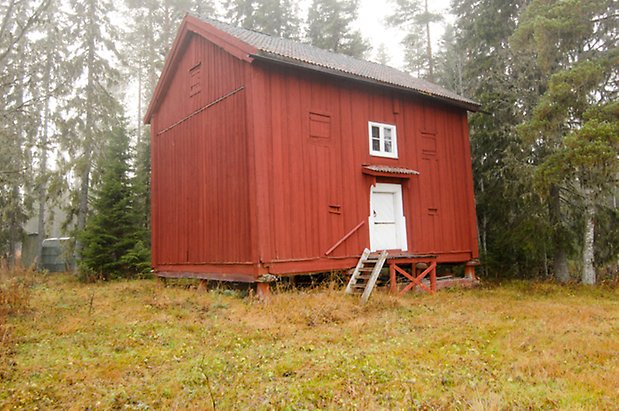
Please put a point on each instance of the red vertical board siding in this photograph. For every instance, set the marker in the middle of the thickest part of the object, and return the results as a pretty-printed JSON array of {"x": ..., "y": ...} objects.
[
  {"x": 201, "y": 194},
  {"x": 154, "y": 198},
  {"x": 273, "y": 172},
  {"x": 306, "y": 175}
]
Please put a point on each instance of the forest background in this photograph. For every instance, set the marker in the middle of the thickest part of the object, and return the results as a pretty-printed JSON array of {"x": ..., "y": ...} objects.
[{"x": 545, "y": 144}]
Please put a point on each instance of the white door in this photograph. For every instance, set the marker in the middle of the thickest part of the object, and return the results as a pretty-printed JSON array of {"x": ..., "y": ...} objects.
[{"x": 387, "y": 221}]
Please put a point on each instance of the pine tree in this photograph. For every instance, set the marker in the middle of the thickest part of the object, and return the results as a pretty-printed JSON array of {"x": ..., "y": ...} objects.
[
  {"x": 574, "y": 44},
  {"x": 382, "y": 56},
  {"x": 450, "y": 62},
  {"x": 18, "y": 119},
  {"x": 415, "y": 18},
  {"x": 112, "y": 236},
  {"x": 512, "y": 220},
  {"x": 273, "y": 17},
  {"x": 590, "y": 156},
  {"x": 50, "y": 56},
  {"x": 329, "y": 27}
]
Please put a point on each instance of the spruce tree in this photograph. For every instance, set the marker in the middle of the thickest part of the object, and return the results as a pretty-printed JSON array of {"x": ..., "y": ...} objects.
[
  {"x": 512, "y": 220},
  {"x": 93, "y": 109},
  {"x": 18, "y": 117},
  {"x": 112, "y": 235},
  {"x": 50, "y": 55},
  {"x": 574, "y": 45},
  {"x": 273, "y": 17},
  {"x": 330, "y": 27},
  {"x": 450, "y": 62}
]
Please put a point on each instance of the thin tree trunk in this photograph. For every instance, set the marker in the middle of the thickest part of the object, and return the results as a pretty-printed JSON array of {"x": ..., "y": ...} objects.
[
  {"x": 14, "y": 222},
  {"x": 15, "y": 199},
  {"x": 588, "y": 256},
  {"x": 87, "y": 156},
  {"x": 139, "y": 139},
  {"x": 546, "y": 271},
  {"x": 42, "y": 195},
  {"x": 560, "y": 255},
  {"x": 484, "y": 223},
  {"x": 429, "y": 48}
]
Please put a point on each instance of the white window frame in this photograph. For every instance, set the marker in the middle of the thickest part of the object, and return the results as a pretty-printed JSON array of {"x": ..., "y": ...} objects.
[{"x": 394, "y": 140}]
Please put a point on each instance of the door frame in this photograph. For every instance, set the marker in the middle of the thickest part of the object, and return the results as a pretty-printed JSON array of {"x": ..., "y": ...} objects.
[{"x": 400, "y": 218}]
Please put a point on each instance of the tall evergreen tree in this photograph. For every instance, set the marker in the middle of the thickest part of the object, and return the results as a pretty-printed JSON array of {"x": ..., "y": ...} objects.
[
  {"x": 382, "y": 56},
  {"x": 273, "y": 17},
  {"x": 590, "y": 156},
  {"x": 330, "y": 27},
  {"x": 92, "y": 110},
  {"x": 512, "y": 220},
  {"x": 450, "y": 62},
  {"x": 51, "y": 55},
  {"x": 17, "y": 118},
  {"x": 415, "y": 18},
  {"x": 113, "y": 233},
  {"x": 575, "y": 47}
]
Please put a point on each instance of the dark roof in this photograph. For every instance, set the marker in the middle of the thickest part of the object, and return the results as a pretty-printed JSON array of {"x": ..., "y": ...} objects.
[{"x": 294, "y": 52}]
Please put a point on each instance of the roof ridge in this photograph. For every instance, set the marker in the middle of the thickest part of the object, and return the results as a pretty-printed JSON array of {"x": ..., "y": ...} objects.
[
  {"x": 302, "y": 42},
  {"x": 299, "y": 53}
]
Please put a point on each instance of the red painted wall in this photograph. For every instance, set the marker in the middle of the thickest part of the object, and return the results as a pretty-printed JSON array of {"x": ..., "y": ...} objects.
[
  {"x": 200, "y": 190},
  {"x": 306, "y": 175},
  {"x": 270, "y": 177}
]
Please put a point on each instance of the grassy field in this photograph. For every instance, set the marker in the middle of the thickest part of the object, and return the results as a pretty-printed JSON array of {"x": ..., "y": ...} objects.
[{"x": 140, "y": 345}]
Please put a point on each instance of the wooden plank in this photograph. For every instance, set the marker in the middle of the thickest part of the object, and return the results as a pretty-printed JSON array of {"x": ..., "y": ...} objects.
[
  {"x": 217, "y": 275},
  {"x": 355, "y": 274},
  {"x": 346, "y": 236},
  {"x": 372, "y": 281}
]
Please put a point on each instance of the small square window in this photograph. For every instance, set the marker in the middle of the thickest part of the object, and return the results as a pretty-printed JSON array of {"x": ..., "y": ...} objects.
[{"x": 383, "y": 140}]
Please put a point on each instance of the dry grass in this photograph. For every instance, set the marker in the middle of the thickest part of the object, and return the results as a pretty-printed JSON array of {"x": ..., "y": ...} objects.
[
  {"x": 14, "y": 298},
  {"x": 138, "y": 345}
]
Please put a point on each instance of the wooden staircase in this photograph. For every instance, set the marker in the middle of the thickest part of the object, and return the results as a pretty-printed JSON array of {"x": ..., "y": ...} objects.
[{"x": 365, "y": 274}]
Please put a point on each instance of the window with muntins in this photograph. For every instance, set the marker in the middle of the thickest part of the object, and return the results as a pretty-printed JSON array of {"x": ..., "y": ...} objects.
[{"x": 383, "y": 140}]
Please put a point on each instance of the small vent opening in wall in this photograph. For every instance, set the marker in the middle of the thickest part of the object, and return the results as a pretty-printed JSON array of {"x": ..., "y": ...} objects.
[{"x": 195, "y": 85}]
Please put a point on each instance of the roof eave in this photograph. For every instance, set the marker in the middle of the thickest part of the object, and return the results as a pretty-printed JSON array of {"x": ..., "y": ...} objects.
[{"x": 277, "y": 59}]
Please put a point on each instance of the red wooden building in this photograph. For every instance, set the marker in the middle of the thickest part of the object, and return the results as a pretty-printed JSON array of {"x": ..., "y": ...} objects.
[{"x": 271, "y": 156}]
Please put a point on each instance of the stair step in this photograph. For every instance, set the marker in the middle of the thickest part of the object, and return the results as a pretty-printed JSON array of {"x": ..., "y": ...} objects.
[{"x": 365, "y": 275}]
